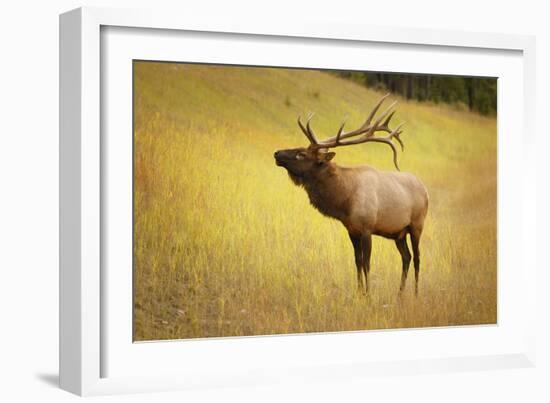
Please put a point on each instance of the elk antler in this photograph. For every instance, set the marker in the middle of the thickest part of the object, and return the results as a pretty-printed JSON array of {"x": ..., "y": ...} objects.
[
  {"x": 366, "y": 130},
  {"x": 307, "y": 129}
]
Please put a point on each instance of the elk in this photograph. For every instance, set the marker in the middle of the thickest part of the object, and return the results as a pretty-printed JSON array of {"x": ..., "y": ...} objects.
[{"x": 367, "y": 201}]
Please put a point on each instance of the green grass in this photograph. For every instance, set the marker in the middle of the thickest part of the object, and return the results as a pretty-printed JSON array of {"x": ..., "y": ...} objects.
[{"x": 226, "y": 245}]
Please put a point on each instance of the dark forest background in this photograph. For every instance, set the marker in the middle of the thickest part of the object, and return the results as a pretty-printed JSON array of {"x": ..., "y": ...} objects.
[{"x": 473, "y": 93}]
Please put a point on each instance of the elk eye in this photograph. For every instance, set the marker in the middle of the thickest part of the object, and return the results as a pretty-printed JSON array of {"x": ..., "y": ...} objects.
[{"x": 300, "y": 156}]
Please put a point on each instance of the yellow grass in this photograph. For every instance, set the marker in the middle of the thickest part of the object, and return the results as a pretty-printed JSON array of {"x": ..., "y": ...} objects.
[{"x": 226, "y": 245}]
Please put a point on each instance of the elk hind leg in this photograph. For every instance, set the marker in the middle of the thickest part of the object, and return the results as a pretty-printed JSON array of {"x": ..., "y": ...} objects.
[
  {"x": 415, "y": 240},
  {"x": 403, "y": 249}
]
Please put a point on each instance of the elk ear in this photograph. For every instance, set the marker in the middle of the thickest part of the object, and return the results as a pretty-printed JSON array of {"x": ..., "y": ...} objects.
[{"x": 328, "y": 156}]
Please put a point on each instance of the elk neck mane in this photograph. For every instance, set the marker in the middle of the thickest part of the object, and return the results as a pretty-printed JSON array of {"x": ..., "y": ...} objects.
[{"x": 328, "y": 189}]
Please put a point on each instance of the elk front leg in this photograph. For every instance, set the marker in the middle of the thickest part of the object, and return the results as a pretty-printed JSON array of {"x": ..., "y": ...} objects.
[
  {"x": 366, "y": 243},
  {"x": 357, "y": 248}
]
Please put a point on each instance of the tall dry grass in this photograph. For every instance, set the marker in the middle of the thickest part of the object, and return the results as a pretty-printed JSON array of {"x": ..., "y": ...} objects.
[{"x": 225, "y": 245}]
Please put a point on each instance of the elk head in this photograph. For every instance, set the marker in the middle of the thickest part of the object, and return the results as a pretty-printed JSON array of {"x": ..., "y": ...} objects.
[{"x": 303, "y": 162}]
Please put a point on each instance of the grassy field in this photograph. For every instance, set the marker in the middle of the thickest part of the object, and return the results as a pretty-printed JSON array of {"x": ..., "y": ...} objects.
[{"x": 226, "y": 245}]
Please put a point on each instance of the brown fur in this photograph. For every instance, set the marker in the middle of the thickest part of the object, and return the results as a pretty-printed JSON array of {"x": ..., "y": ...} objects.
[{"x": 367, "y": 201}]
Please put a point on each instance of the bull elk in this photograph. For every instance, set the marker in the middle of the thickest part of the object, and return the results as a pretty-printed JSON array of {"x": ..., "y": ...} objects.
[{"x": 367, "y": 201}]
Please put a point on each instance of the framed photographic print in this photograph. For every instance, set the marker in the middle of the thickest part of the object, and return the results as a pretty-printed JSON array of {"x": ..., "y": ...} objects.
[{"x": 248, "y": 203}]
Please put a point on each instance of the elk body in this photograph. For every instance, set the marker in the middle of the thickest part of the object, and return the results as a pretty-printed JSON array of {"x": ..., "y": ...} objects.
[{"x": 367, "y": 201}]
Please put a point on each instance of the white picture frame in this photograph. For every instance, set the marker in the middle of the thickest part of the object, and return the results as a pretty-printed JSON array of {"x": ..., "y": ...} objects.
[{"x": 85, "y": 344}]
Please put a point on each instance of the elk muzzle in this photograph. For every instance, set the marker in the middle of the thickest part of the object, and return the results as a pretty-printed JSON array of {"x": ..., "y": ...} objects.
[{"x": 281, "y": 157}]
